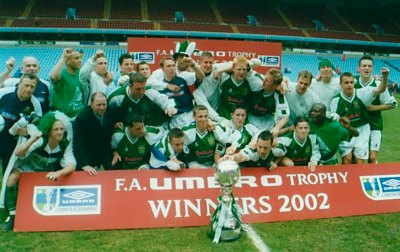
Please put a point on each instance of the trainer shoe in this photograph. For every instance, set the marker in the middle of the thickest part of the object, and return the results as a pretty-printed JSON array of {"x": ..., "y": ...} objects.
[{"x": 9, "y": 223}]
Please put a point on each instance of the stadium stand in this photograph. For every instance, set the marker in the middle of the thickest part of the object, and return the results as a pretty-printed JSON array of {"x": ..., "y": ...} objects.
[
  {"x": 337, "y": 35},
  {"x": 8, "y": 8},
  {"x": 52, "y": 22},
  {"x": 89, "y": 9},
  {"x": 300, "y": 16},
  {"x": 126, "y": 9},
  {"x": 195, "y": 27},
  {"x": 270, "y": 30},
  {"x": 330, "y": 21},
  {"x": 49, "y": 8},
  {"x": 2, "y": 21},
  {"x": 194, "y": 11},
  {"x": 235, "y": 12},
  {"x": 386, "y": 38},
  {"x": 285, "y": 18},
  {"x": 267, "y": 14},
  {"x": 362, "y": 19},
  {"x": 114, "y": 24},
  {"x": 198, "y": 11},
  {"x": 162, "y": 10}
]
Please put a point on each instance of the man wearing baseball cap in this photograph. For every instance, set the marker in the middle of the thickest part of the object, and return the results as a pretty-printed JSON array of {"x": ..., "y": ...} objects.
[{"x": 326, "y": 86}]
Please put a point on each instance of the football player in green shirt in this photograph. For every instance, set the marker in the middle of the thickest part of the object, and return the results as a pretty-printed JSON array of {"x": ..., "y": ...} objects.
[
  {"x": 352, "y": 104},
  {"x": 201, "y": 141},
  {"x": 131, "y": 145},
  {"x": 332, "y": 136},
  {"x": 263, "y": 154},
  {"x": 302, "y": 147},
  {"x": 384, "y": 101}
]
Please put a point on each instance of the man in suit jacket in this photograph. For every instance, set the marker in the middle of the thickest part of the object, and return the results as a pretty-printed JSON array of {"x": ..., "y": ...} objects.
[{"x": 93, "y": 128}]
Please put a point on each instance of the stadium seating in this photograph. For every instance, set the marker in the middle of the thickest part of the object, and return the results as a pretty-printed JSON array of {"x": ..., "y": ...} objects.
[
  {"x": 52, "y": 22},
  {"x": 300, "y": 16},
  {"x": 267, "y": 15},
  {"x": 2, "y": 21},
  {"x": 270, "y": 30},
  {"x": 363, "y": 19},
  {"x": 198, "y": 11},
  {"x": 273, "y": 17},
  {"x": 125, "y": 25},
  {"x": 126, "y": 9},
  {"x": 195, "y": 27},
  {"x": 162, "y": 10},
  {"x": 9, "y": 8},
  {"x": 235, "y": 12},
  {"x": 337, "y": 35},
  {"x": 49, "y": 8},
  {"x": 386, "y": 38},
  {"x": 89, "y": 9},
  {"x": 194, "y": 10}
]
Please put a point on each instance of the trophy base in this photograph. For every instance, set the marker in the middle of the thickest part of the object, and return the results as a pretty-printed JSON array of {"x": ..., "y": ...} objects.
[{"x": 227, "y": 234}]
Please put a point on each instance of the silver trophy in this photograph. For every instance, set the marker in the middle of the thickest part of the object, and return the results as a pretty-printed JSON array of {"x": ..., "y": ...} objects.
[{"x": 226, "y": 223}]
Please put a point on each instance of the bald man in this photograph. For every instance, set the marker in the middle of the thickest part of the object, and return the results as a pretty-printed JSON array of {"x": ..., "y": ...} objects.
[
  {"x": 70, "y": 96},
  {"x": 42, "y": 92}
]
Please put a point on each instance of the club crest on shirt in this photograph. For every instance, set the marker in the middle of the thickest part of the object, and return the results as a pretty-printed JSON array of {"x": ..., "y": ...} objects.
[{"x": 142, "y": 149}]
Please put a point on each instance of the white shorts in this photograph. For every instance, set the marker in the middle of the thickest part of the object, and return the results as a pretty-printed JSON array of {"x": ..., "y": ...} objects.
[
  {"x": 375, "y": 140},
  {"x": 359, "y": 145},
  {"x": 262, "y": 122},
  {"x": 181, "y": 120}
]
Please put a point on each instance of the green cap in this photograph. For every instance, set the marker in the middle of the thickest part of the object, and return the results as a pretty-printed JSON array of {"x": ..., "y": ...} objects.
[{"x": 324, "y": 63}]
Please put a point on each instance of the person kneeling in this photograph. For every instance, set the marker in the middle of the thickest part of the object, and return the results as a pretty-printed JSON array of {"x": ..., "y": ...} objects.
[
  {"x": 263, "y": 155},
  {"x": 302, "y": 147},
  {"x": 47, "y": 150},
  {"x": 170, "y": 152}
]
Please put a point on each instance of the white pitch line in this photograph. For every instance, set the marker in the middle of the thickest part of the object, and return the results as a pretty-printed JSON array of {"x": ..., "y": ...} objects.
[{"x": 255, "y": 238}]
